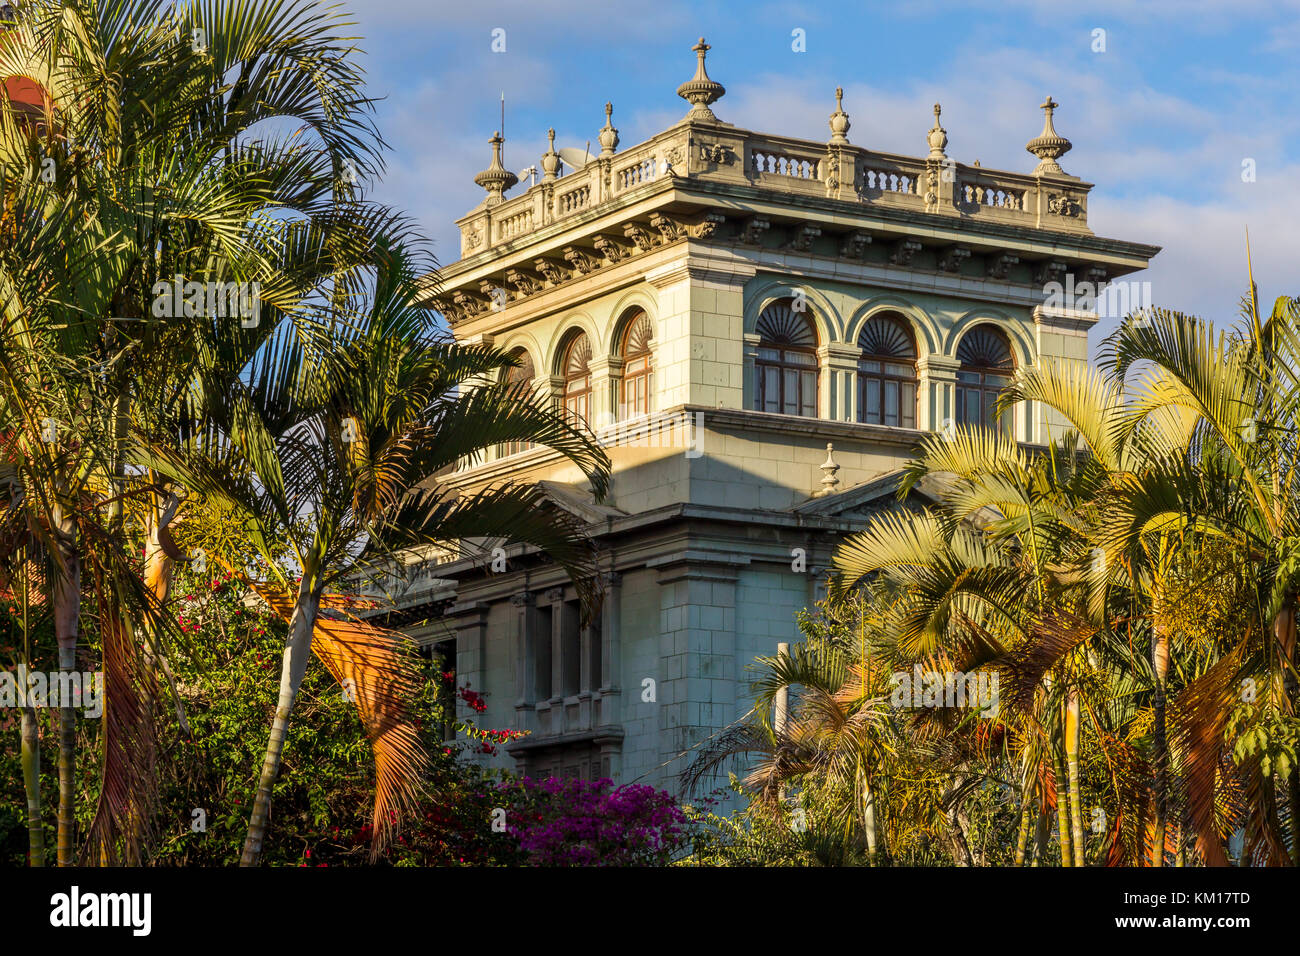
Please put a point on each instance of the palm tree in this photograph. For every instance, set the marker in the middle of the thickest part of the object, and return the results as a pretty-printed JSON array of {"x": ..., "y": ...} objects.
[
  {"x": 336, "y": 440},
  {"x": 1236, "y": 481},
  {"x": 201, "y": 142},
  {"x": 1194, "y": 453}
]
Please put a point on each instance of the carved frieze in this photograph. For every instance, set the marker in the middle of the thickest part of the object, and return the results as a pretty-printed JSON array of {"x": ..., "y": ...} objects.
[
  {"x": 1064, "y": 205},
  {"x": 706, "y": 226}
]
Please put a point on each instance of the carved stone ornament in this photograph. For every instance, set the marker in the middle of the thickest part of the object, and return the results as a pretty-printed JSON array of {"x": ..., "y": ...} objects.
[
  {"x": 855, "y": 244},
  {"x": 1050, "y": 270},
  {"x": 998, "y": 265},
  {"x": 525, "y": 282},
  {"x": 1064, "y": 205},
  {"x": 670, "y": 229},
  {"x": 706, "y": 226},
  {"x": 904, "y": 249},
  {"x": 550, "y": 270},
  {"x": 640, "y": 235},
  {"x": 755, "y": 226},
  {"x": 582, "y": 261},
  {"x": 951, "y": 258},
  {"x": 610, "y": 249},
  {"x": 802, "y": 237},
  {"x": 717, "y": 153}
]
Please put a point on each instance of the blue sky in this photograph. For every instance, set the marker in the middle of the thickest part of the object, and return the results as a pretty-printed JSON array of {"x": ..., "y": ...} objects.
[{"x": 1161, "y": 121}]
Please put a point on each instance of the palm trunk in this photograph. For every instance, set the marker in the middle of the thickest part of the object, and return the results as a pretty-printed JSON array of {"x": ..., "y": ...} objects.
[
  {"x": 1160, "y": 663},
  {"x": 31, "y": 758},
  {"x": 1022, "y": 838},
  {"x": 869, "y": 820},
  {"x": 158, "y": 570},
  {"x": 293, "y": 665},
  {"x": 1062, "y": 807},
  {"x": 1073, "y": 738},
  {"x": 66, "y": 601},
  {"x": 1284, "y": 631},
  {"x": 957, "y": 839},
  {"x": 951, "y": 802},
  {"x": 1040, "y": 836}
]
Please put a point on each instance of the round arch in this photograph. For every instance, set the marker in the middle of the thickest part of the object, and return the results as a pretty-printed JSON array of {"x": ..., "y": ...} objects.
[
  {"x": 621, "y": 314},
  {"x": 825, "y": 317},
  {"x": 924, "y": 329},
  {"x": 525, "y": 341},
  {"x": 1022, "y": 349},
  {"x": 569, "y": 326}
]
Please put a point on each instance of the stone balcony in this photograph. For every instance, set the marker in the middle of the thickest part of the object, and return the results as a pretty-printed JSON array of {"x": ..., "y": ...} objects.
[{"x": 704, "y": 179}]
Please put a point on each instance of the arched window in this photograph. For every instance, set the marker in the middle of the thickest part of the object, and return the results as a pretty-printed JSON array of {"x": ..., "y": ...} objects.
[
  {"x": 786, "y": 367},
  {"x": 986, "y": 368},
  {"x": 638, "y": 366},
  {"x": 887, "y": 373},
  {"x": 577, "y": 378},
  {"x": 521, "y": 376}
]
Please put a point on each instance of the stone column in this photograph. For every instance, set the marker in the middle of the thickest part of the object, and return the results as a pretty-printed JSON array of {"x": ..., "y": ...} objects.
[
  {"x": 603, "y": 384},
  {"x": 609, "y": 699},
  {"x": 698, "y": 691},
  {"x": 698, "y": 354},
  {"x": 938, "y": 378},
  {"x": 1060, "y": 334},
  {"x": 523, "y": 607},
  {"x": 470, "y": 623},
  {"x": 555, "y": 597},
  {"x": 750, "y": 397},
  {"x": 840, "y": 364}
]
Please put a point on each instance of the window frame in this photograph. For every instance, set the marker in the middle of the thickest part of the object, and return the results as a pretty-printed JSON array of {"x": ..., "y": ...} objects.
[
  {"x": 879, "y": 379},
  {"x": 575, "y": 393},
  {"x": 638, "y": 368},
  {"x": 792, "y": 368},
  {"x": 983, "y": 382}
]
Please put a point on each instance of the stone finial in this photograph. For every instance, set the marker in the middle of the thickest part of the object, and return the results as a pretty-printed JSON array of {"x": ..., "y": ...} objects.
[
  {"x": 550, "y": 158},
  {"x": 608, "y": 134},
  {"x": 830, "y": 483},
  {"x": 496, "y": 179},
  {"x": 1049, "y": 146},
  {"x": 839, "y": 120},
  {"x": 937, "y": 137},
  {"x": 700, "y": 91}
]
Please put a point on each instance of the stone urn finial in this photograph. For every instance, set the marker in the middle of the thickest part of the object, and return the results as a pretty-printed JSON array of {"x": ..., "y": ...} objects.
[
  {"x": 550, "y": 158},
  {"x": 700, "y": 91},
  {"x": 1049, "y": 146},
  {"x": 496, "y": 179},
  {"x": 937, "y": 137},
  {"x": 830, "y": 483},
  {"x": 839, "y": 120},
  {"x": 608, "y": 134}
]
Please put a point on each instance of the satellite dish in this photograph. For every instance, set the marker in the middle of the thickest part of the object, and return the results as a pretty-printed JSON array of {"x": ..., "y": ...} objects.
[{"x": 575, "y": 158}]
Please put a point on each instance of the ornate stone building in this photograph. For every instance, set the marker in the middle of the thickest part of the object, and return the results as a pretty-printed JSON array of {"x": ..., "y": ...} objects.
[{"x": 723, "y": 306}]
